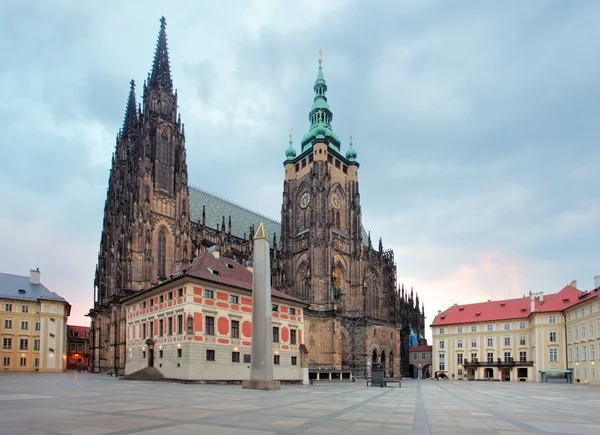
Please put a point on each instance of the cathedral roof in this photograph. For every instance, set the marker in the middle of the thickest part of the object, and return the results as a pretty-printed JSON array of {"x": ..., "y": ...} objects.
[
  {"x": 20, "y": 287},
  {"x": 241, "y": 218}
]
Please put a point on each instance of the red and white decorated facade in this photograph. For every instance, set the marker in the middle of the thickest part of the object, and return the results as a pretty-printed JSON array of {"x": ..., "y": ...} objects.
[{"x": 198, "y": 325}]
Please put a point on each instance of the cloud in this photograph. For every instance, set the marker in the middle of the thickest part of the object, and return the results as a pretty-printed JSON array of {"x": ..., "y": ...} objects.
[{"x": 475, "y": 126}]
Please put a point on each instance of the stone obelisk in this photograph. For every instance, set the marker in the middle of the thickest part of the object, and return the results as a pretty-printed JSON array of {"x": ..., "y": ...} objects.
[{"x": 261, "y": 370}]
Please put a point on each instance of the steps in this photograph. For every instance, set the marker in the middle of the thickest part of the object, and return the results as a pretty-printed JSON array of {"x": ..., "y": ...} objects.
[{"x": 145, "y": 374}]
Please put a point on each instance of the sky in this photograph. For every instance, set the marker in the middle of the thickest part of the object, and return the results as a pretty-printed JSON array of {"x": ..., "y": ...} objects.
[{"x": 475, "y": 123}]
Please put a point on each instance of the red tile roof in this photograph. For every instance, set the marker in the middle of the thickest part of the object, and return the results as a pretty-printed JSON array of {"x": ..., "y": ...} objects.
[
  {"x": 507, "y": 309},
  {"x": 227, "y": 272},
  {"x": 82, "y": 331},
  {"x": 420, "y": 348}
]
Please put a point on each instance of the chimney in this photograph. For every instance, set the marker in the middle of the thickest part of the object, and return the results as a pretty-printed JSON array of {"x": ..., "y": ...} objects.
[
  {"x": 573, "y": 283},
  {"x": 34, "y": 276},
  {"x": 439, "y": 311},
  {"x": 533, "y": 297},
  {"x": 214, "y": 250},
  {"x": 596, "y": 281}
]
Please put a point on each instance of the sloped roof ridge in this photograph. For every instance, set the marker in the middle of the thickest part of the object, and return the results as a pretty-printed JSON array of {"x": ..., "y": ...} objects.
[{"x": 233, "y": 203}]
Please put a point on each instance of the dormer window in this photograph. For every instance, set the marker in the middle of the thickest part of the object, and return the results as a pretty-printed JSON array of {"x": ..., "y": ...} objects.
[
  {"x": 212, "y": 271},
  {"x": 229, "y": 266}
]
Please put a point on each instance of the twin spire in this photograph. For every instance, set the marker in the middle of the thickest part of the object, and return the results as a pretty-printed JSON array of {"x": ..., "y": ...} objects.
[
  {"x": 160, "y": 77},
  {"x": 131, "y": 115}
]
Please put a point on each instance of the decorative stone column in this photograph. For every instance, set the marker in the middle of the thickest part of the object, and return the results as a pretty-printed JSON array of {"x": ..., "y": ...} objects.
[{"x": 261, "y": 370}]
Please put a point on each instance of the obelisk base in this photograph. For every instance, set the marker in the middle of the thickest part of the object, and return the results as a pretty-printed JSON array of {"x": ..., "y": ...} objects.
[{"x": 259, "y": 384}]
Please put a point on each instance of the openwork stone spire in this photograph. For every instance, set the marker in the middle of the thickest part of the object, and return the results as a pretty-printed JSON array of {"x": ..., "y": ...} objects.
[
  {"x": 130, "y": 122},
  {"x": 160, "y": 77}
]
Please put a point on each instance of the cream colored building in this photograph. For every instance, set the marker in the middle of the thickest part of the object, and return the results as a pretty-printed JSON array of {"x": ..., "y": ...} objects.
[
  {"x": 198, "y": 325},
  {"x": 509, "y": 340},
  {"x": 583, "y": 336},
  {"x": 33, "y": 322}
]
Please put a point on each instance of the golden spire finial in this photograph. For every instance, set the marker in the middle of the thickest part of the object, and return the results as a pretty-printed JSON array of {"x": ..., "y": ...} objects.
[
  {"x": 260, "y": 233},
  {"x": 320, "y": 56},
  {"x": 291, "y": 132}
]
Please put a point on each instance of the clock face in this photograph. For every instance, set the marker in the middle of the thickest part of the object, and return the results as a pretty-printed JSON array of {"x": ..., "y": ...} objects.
[
  {"x": 304, "y": 200},
  {"x": 335, "y": 200}
]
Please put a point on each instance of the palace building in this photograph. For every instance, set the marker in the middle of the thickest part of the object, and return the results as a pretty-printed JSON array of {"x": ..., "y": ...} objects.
[
  {"x": 156, "y": 226},
  {"x": 33, "y": 325},
  {"x": 533, "y": 338},
  {"x": 198, "y": 325}
]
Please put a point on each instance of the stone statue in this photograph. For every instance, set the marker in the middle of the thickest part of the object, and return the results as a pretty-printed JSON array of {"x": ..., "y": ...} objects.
[{"x": 190, "y": 324}]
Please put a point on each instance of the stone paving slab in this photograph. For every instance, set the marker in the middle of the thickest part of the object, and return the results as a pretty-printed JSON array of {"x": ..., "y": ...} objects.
[{"x": 94, "y": 404}]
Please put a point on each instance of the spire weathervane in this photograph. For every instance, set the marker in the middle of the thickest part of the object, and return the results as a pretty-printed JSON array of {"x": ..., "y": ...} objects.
[{"x": 320, "y": 56}]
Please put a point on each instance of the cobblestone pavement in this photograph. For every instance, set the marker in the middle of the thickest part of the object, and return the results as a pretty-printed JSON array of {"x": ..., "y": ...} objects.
[{"x": 72, "y": 403}]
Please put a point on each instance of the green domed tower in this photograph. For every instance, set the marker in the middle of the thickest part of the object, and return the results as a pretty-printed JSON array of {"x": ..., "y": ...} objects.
[{"x": 320, "y": 116}]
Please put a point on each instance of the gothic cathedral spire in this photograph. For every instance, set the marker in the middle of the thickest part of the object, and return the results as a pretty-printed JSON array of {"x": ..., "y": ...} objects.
[
  {"x": 130, "y": 122},
  {"x": 160, "y": 77}
]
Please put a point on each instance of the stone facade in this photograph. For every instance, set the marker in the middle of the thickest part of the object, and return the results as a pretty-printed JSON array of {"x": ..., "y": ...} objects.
[{"x": 155, "y": 224}]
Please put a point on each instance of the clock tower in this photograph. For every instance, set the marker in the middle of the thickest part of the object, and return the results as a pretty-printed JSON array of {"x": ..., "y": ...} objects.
[{"x": 321, "y": 229}]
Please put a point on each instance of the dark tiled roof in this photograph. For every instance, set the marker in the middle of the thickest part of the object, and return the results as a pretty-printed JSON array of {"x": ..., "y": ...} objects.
[
  {"x": 19, "y": 287},
  {"x": 241, "y": 218},
  {"x": 227, "y": 272},
  {"x": 507, "y": 309},
  {"x": 81, "y": 331}
]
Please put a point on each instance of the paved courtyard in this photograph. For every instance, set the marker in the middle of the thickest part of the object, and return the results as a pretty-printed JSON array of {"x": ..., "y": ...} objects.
[{"x": 71, "y": 403}]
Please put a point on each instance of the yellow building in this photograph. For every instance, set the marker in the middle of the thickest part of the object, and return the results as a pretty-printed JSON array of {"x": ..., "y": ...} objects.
[
  {"x": 520, "y": 339},
  {"x": 33, "y": 322},
  {"x": 583, "y": 336},
  {"x": 198, "y": 325}
]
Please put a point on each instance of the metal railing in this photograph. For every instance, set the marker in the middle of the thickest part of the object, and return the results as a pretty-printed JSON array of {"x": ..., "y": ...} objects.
[{"x": 498, "y": 363}]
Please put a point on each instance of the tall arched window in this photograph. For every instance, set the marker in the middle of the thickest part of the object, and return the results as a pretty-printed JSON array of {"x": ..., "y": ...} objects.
[
  {"x": 162, "y": 254},
  {"x": 163, "y": 149},
  {"x": 338, "y": 281},
  {"x": 303, "y": 283}
]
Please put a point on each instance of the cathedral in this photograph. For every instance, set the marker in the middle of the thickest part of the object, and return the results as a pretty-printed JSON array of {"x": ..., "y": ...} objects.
[{"x": 155, "y": 223}]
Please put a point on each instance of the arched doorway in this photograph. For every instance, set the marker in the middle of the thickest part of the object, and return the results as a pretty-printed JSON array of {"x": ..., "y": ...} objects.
[
  {"x": 383, "y": 361},
  {"x": 427, "y": 371},
  {"x": 374, "y": 359}
]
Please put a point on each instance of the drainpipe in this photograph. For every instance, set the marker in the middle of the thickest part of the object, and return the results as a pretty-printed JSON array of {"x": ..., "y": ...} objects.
[{"x": 566, "y": 343}]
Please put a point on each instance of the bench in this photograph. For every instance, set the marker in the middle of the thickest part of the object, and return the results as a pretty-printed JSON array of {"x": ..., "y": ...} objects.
[
  {"x": 392, "y": 381},
  {"x": 386, "y": 381}
]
